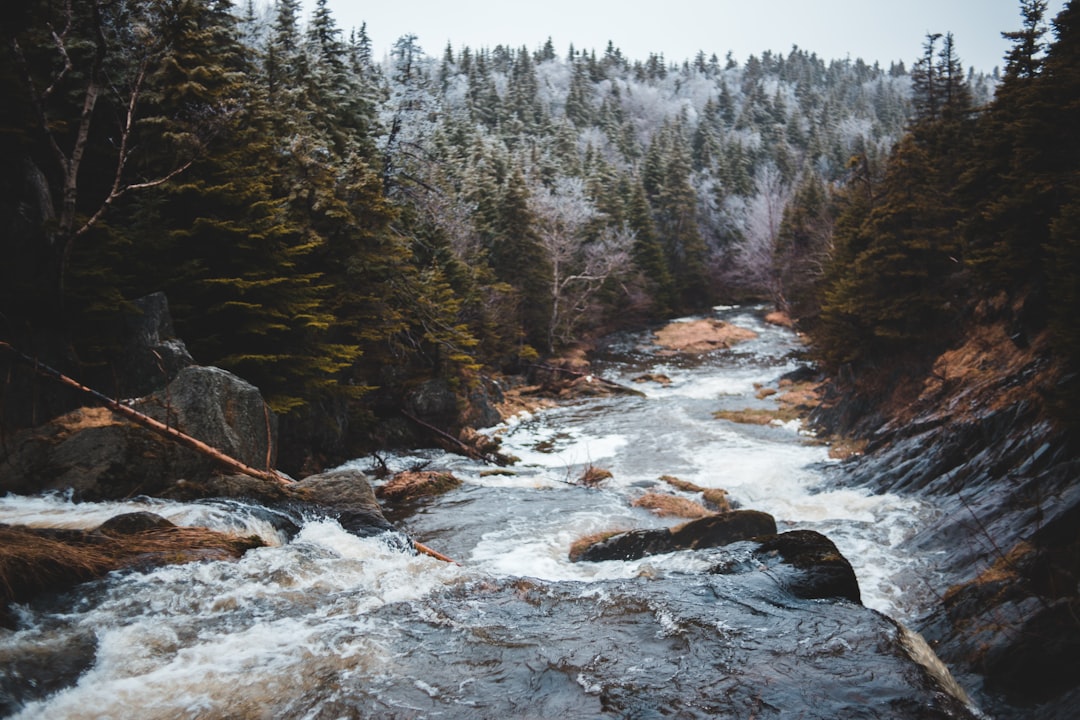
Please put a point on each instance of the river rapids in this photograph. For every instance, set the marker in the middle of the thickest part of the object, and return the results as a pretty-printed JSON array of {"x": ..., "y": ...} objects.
[{"x": 323, "y": 624}]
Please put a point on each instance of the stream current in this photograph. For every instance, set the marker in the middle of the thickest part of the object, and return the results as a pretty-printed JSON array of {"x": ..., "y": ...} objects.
[{"x": 326, "y": 625}]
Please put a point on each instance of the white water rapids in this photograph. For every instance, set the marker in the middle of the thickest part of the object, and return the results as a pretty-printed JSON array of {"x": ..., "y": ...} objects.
[{"x": 306, "y": 627}]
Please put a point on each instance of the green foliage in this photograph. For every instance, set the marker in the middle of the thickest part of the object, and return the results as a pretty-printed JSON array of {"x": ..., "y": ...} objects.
[{"x": 967, "y": 209}]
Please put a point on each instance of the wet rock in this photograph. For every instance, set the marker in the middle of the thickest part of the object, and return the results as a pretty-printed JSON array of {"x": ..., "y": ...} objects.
[
  {"x": 808, "y": 565},
  {"x": 134, "y": 522},
  {"x": 711, "y": 531},
  {"x": 102, "y": 456},
  {"x": 51, "y": 664},
  {"x": 343, "y": 495},
  {"x": 411, "y": 485}
]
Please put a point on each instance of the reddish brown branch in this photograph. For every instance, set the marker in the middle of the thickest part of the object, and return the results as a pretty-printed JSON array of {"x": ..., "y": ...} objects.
[{"x": 151, "y": 424}]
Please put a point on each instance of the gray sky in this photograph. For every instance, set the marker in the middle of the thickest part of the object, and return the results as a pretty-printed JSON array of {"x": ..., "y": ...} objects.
[{"x": 871, "y": 29}]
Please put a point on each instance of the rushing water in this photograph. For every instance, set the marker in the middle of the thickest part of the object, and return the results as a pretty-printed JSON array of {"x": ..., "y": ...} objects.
[{"x": 327, "y": 625}]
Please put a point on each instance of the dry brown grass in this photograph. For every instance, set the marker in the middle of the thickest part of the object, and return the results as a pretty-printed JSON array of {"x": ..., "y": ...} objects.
[
  {"x": 698, "y": 336},
  {"x": 666, "y": 505},
  {"x": 579, "y": 546},
  {"x": 36, "y": 560},
  {"x": 593, "y": 475},
  {"x": 716, "y": 498},
  {"x": 410, "y": 485},
  {"x": 794, "y": 403}
]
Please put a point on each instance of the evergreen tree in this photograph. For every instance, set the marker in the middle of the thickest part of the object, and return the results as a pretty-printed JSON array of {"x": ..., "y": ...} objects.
[{"x": 518, "y": 260}]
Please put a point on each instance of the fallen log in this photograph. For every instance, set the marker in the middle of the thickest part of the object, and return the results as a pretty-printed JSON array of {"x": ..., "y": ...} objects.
[
  {"x": 150, "y": 423},
  {"x": 591, "y": 377},
  {"x": 172, "y": 433},
  {"x": 420, "y": 547}
]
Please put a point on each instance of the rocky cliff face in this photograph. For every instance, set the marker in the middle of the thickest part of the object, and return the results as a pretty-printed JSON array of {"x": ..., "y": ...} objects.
[{"x": 974, "y": 434}]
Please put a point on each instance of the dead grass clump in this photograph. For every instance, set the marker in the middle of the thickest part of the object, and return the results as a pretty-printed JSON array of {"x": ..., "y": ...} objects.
[
  {"x": 780, "y": 318},
  {"x": 579, "y": 546},
  {"x": 593, "y": 475},
  {"x": 699, "y": 336},
  {"x": 843, "y": 448},
  {"x": 658, "y": 378},
  {"x": 715, "y": 498},
  {"x": 37, "y": 560},
  {"x": 752, "y": 416},
  {"x": 410, "y": 485},
  {"x": 666, "y": 505}
]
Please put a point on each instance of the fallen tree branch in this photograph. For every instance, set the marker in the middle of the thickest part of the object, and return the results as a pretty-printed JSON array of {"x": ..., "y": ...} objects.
[
  {"x": 151, "y": 424},
  {"x": 420, "y": 547},
  {"x": 464, "y": 448}
]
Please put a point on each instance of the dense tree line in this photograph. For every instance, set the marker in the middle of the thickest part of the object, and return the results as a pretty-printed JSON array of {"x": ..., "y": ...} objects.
[
  {"x": 325, "y": 224},
  {"x": 976, "y": 207}
]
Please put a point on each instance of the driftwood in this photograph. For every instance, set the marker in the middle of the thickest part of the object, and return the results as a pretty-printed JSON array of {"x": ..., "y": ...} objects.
[{"x": 420, "y": 547}]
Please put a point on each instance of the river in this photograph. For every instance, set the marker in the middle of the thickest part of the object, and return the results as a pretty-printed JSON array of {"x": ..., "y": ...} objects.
[{"x": 325, "y": 625}]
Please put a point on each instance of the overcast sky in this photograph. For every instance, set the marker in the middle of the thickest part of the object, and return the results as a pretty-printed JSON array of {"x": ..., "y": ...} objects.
[{"x": 881, "y": 30}]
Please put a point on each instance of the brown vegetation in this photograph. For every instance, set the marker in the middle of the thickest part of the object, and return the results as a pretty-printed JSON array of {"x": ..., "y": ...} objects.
[
  {"x": 715, "y": 498},
  {"x": 410, "y": 485},
  {"x": 582, "y": 544},
  {"x": 593, "y": 475},
  {"x": 667, "y": 505},
  {"x": 794, "y": 403},
  {"x": 36, "y": 560},
  {"x": 699, "y": 336}
]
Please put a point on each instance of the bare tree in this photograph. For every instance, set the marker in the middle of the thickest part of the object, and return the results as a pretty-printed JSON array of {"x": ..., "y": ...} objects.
[
  {"x": 579, "y": 268},
  {"x": 755, "y": 257},
  {"x": 66, "y": 224}
]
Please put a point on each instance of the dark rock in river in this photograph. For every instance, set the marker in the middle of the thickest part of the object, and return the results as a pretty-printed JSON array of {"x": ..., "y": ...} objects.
[
  {"x": 810, "y": 566},
  {"x": 711, "y": 531},
  {"x": 133, "y": 522},
  {"x": 343, "y": 495}
]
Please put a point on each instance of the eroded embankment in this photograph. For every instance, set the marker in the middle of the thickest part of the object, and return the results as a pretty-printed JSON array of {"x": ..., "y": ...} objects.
[{"x": 975, "y": 436}]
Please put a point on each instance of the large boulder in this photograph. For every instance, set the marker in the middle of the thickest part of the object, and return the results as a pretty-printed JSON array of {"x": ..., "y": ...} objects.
[
  {"x": 221, "y": 409},
  {"x": 808, "y": 565},
  {"x": 711, "y": 531},
  {"x": 100, "y": 455}
]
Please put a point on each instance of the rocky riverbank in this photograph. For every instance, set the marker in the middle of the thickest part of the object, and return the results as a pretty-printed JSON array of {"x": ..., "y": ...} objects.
[{"x": 975, "y": 435}]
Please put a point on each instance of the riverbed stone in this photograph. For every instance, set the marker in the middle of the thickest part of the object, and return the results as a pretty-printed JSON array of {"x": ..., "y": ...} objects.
[
  {"x": 344, "y": 495},
  {"x": 711, "y": 531},
  {"x": 809, "y": 566}
]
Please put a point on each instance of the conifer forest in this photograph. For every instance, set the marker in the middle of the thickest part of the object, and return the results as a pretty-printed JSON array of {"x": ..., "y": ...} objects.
[
  {"x": 325, "y": 223},
  {"x": 383, "y": 242}
]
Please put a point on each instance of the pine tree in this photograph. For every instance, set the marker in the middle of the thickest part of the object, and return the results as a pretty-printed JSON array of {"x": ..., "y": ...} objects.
[{"x": 518, "y": 260}]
